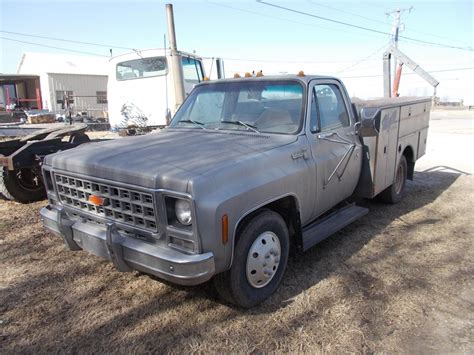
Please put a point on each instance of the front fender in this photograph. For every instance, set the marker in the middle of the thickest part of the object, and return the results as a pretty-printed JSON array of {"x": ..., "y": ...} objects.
[{"x": 242, "y": 188}]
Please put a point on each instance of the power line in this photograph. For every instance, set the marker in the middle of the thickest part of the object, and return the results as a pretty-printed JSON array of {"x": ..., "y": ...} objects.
[
  {"x": 378, "y": 21},
  {"x": 287, "y": 61},
  {"x": 47, "y": 46},
  {"x": 371, "y": 66},
  {"x": 322, "y": 18},
  {"x": 232, "y": 59},
  {"x": 359, "y": 27},
  {"x": 271, "y": 16},
  {"x": 434, "y": 35},
  {"x": 363, "y": 59},
  {"x": 470, "y": 49},
  {"x": 361, "y": 76},
  {"x": 65, "y": 40},
  {"x": 279, "y": 18},
  {"x": 384, "y": 7},
  {"x": 433, "y": 71},
  {"x": 226, "y": 58},
  {"x": 349, "y": 13}
]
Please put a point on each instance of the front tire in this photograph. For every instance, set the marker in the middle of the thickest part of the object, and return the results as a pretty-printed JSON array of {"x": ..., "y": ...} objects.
[
  {"x": 394, "y": 193},
  {"x": 260, "y": 259}
]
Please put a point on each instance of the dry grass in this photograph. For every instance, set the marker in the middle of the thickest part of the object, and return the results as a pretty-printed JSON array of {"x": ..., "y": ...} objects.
[{"x": 399, "y": 279}]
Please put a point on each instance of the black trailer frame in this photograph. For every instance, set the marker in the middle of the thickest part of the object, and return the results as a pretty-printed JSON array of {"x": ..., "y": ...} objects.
[{"x": 22, "y": 159}]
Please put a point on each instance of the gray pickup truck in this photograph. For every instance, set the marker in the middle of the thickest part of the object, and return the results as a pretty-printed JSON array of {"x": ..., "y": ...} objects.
[{"x": 248, "y": 169}]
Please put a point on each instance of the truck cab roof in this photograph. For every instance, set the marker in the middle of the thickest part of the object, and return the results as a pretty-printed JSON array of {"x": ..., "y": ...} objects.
[{"x": 305, "y": 79}]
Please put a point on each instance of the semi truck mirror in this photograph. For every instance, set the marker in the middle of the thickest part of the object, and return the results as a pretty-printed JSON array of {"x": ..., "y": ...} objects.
[{"x": 168, "y": 117}]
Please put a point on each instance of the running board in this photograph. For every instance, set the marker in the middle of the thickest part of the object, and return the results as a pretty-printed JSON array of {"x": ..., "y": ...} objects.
[{"x": 322, "y": 228}]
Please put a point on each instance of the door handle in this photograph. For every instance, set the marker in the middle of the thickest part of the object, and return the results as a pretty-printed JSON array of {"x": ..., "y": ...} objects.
[
  {"x": 325, "y": 135},
  {"x": 300, "y": 154}
]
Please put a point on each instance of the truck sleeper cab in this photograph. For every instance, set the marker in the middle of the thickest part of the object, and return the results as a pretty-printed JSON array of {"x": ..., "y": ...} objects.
[
  {"x": 247, "y": 168},
  {"x": 141, "y": 86}
]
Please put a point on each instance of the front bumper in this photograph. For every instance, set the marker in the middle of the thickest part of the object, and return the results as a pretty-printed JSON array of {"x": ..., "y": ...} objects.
[{"x": 129, "y": 254}]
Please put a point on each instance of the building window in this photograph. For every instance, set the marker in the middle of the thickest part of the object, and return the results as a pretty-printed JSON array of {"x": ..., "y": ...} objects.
[
  {"x": 60, "y": 96},
  {"x": 101, "y": 97}
]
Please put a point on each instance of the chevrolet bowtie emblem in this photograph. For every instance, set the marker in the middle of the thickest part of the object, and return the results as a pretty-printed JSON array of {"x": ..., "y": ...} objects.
[{"x": 98, "y": 201}]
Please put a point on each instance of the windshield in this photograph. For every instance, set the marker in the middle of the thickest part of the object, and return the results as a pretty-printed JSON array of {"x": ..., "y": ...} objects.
[
  {"x": 259, "y": 106},
  {"x": 141, "y": 68}
]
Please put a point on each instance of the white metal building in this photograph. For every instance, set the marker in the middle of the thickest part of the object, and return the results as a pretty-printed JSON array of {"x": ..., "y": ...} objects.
[{"x": 82, "y": 77}]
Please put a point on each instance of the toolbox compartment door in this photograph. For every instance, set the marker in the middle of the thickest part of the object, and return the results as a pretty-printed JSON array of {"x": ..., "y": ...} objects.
[
  {"x": 422, "y": 142},
  {"x": 381, "y": 151},
  {"x": 387, "y": 126}
]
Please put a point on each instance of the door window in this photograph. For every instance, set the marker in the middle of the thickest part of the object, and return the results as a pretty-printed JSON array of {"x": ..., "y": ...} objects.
[
  {"x": 192, "y": 70},
  {"x": 314, "y": 114},
  {"x": 332, "y": 109}
]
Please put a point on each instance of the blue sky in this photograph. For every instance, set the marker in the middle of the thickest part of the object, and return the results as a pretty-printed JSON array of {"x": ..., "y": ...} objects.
[{"x": 248, "y": 30}]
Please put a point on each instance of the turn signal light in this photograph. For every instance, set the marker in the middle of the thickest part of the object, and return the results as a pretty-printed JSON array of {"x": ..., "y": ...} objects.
[{"x": 225, "y": 229}]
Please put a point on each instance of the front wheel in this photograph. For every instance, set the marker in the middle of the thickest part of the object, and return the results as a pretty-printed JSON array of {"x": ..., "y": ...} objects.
[
  {"x": 260, "y": 259},
  {"x": 394, "y": 193}
]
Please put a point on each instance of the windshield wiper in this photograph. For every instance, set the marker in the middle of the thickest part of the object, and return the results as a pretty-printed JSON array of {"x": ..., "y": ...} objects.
[
  {"x": 240, "y": 123},
  {"x": 196, "y": 123}
]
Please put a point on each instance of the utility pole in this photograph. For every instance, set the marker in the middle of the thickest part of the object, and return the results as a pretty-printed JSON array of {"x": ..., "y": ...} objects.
[{"x": 397, "y": 26}]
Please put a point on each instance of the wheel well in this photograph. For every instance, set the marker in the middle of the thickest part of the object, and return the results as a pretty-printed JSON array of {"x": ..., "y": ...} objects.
[
  {"x": 410, "y": 157},
  {"x": 287, "y": 207}
]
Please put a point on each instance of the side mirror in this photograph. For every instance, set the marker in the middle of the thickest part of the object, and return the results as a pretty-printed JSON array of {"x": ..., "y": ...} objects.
[
  {"x": 369, "y": 122},
  {"x": 168, "y": 117},
  {"x": 357, "y": 128}
]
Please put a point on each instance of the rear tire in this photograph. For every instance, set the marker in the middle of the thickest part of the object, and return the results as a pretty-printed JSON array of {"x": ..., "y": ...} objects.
[
  {"x": 395, "y": 192},
  {"x": 22, "y": 185},
  {"x": 260, "y": 258}
]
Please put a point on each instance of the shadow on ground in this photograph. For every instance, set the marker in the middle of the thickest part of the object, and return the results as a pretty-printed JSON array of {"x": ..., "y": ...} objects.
[{"x": 63, "y": 301}]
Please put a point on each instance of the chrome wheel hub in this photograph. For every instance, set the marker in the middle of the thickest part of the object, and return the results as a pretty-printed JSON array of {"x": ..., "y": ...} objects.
[{"x": 263, "y": 259}]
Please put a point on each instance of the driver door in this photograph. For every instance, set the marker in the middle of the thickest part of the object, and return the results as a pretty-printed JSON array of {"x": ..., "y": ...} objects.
[{"x": 335, "y": 147}]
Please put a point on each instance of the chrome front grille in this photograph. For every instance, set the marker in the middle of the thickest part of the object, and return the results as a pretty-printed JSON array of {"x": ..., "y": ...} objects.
[{"x": 131, "y": 207}]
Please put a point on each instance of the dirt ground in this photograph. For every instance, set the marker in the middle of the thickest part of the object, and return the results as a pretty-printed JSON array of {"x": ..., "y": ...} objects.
[{"x": 398, "y": 280}]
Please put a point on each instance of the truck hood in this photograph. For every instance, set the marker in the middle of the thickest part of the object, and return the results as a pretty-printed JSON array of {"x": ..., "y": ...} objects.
[{"x": 167, "y": 159}]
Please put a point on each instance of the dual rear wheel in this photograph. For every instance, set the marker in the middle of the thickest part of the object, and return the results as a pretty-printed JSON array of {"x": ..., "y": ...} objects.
[{"x": 394, "y": 193}]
